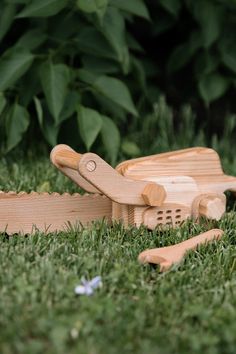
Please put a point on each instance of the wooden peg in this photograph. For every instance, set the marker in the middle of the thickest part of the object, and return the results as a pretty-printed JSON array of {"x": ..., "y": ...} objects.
[
  {"x": 66, "y": 160},
  {"x": 212, "y": 207},
  {"x": 167, "y": 256},
  {"x": 154, "y": 194}
]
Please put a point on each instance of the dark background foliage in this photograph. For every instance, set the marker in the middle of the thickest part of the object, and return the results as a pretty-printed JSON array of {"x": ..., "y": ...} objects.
[{"x": 93, "y": 73}]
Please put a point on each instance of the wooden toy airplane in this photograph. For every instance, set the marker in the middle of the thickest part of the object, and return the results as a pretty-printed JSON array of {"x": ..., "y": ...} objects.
[{"x": 157, "y": 191}]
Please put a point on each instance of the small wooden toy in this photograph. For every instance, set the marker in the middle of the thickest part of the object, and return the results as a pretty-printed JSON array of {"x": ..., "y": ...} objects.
[
  {"x": 167, "y": 256},
  {"x": 157, "y": 191}
]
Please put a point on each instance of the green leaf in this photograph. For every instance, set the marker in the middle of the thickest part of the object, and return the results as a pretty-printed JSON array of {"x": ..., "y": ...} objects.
[
  {"x": 6, "y": 18},
  {"x": 54, "y": 79},
  {"x": 31, "y": 39},
  {"x": 90, "y": 124},
  {"x": 3, "y": 102},
  {"x": 228, "y": 56},
  {"x": 90, "y": 41},
  {"x": 71, "y": 102},
  {"x": 110, "y": 107},
  {"x": 230, "y": 61},
  {"x": 212, "y": 86},
  {"x": 116, "y": 91},
  {"x": 205, "y": 64},
  {"x": 90, "y": 6},
  {"x": 110, "y": 138},
  {"x": 113, "y": 28},
  {"x": 99, "y": 65},
  {"x": 13, "y": 65},
  {"x": 130, "y": 148},
  {"x": 50, "y": 131},
  {"x": 133, "y": 43},
  {"x": 209, "y": 16},
  {"x": 42, "y": 8},
  {"x": 163, "y": 24},
  {"x": 139, "y": 73},
  {"x": 87, "y": 76},
  {"x": 47, "y": 125},
  {"x": 178, "y": 58},
  {"x": 135, "y": 7},
  {"x": 183, "y": 53},
  {"x": 172, "y": 6},
  {"x": 39, "y": 111},
  {"x": 17, "y": 122},
  {"x": 29, "y": 85}
]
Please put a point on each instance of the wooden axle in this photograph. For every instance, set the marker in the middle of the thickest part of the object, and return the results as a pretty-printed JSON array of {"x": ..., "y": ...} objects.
[{"x": 68, "y": 158}]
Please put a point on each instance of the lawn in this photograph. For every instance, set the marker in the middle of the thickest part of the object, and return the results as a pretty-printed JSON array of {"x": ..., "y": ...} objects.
[{"x": 189, "y": 309}]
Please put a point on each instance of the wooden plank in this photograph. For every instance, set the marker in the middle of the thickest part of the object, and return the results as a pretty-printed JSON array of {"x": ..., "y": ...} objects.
[
  {"x": 191, "y": 162},
  {"x": 50, "y": 212}
]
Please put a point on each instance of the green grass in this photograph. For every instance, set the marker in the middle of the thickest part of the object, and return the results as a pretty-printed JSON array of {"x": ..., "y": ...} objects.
[{"x": 190, "y": 309}]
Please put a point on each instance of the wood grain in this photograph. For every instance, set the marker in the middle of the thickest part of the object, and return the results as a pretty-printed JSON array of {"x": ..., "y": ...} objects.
[
  {"x": 167, "y": 256},
  {"x": 146, "y": 191},
  {"x": 197, "y": 161},
  {"x": 188, "y": 176},
  {"x": 118, "y": 188},
  {"x": 72, "y": 173},
  {"x": 25, "y": 212}
]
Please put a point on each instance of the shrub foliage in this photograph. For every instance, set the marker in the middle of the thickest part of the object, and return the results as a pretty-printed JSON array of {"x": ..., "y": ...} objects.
[{"x": 83, "y": 68}]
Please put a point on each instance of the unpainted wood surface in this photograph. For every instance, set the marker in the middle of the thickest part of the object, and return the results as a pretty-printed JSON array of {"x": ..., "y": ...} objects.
[
  {"x": 66, "y": 169},
  {"x": 212, "y": 207},
  {"x": 200, "y": 163},
  {"x": 179, "y": 189},
  {"x": 209, "y": 205},
  {"x": 93, "y": 174},
  {"x": 120, "y": 189},
  {"x": 162, "y": 180},
  {"x": 169, "y": 214},
  {"x": 185, "y": 175},
  {"x": 24, "y": 212},
  {"x": 197, "y": 161},
  {"x": 167, "y": 256}
]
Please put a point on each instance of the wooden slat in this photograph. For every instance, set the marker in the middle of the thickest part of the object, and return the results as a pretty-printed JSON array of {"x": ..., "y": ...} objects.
[
  {"x": 187, "y": 162},
  {"x": 49, "y": 212}
]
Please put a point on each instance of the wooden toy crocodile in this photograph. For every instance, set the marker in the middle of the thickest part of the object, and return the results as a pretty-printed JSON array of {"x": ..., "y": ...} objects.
[{"x": 158, "y": 190}]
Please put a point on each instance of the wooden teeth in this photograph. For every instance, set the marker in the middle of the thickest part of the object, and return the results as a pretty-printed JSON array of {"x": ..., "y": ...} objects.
[{"x": 52, "y": 194}]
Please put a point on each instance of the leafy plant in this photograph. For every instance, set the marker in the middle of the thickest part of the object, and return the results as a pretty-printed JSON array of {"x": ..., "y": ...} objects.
[
  {"x": 204, "y": 44},
  {"x": 67, "y": 63},
  {"x": 159, "y": 132},
  {"x": 83, "y": 71}
]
